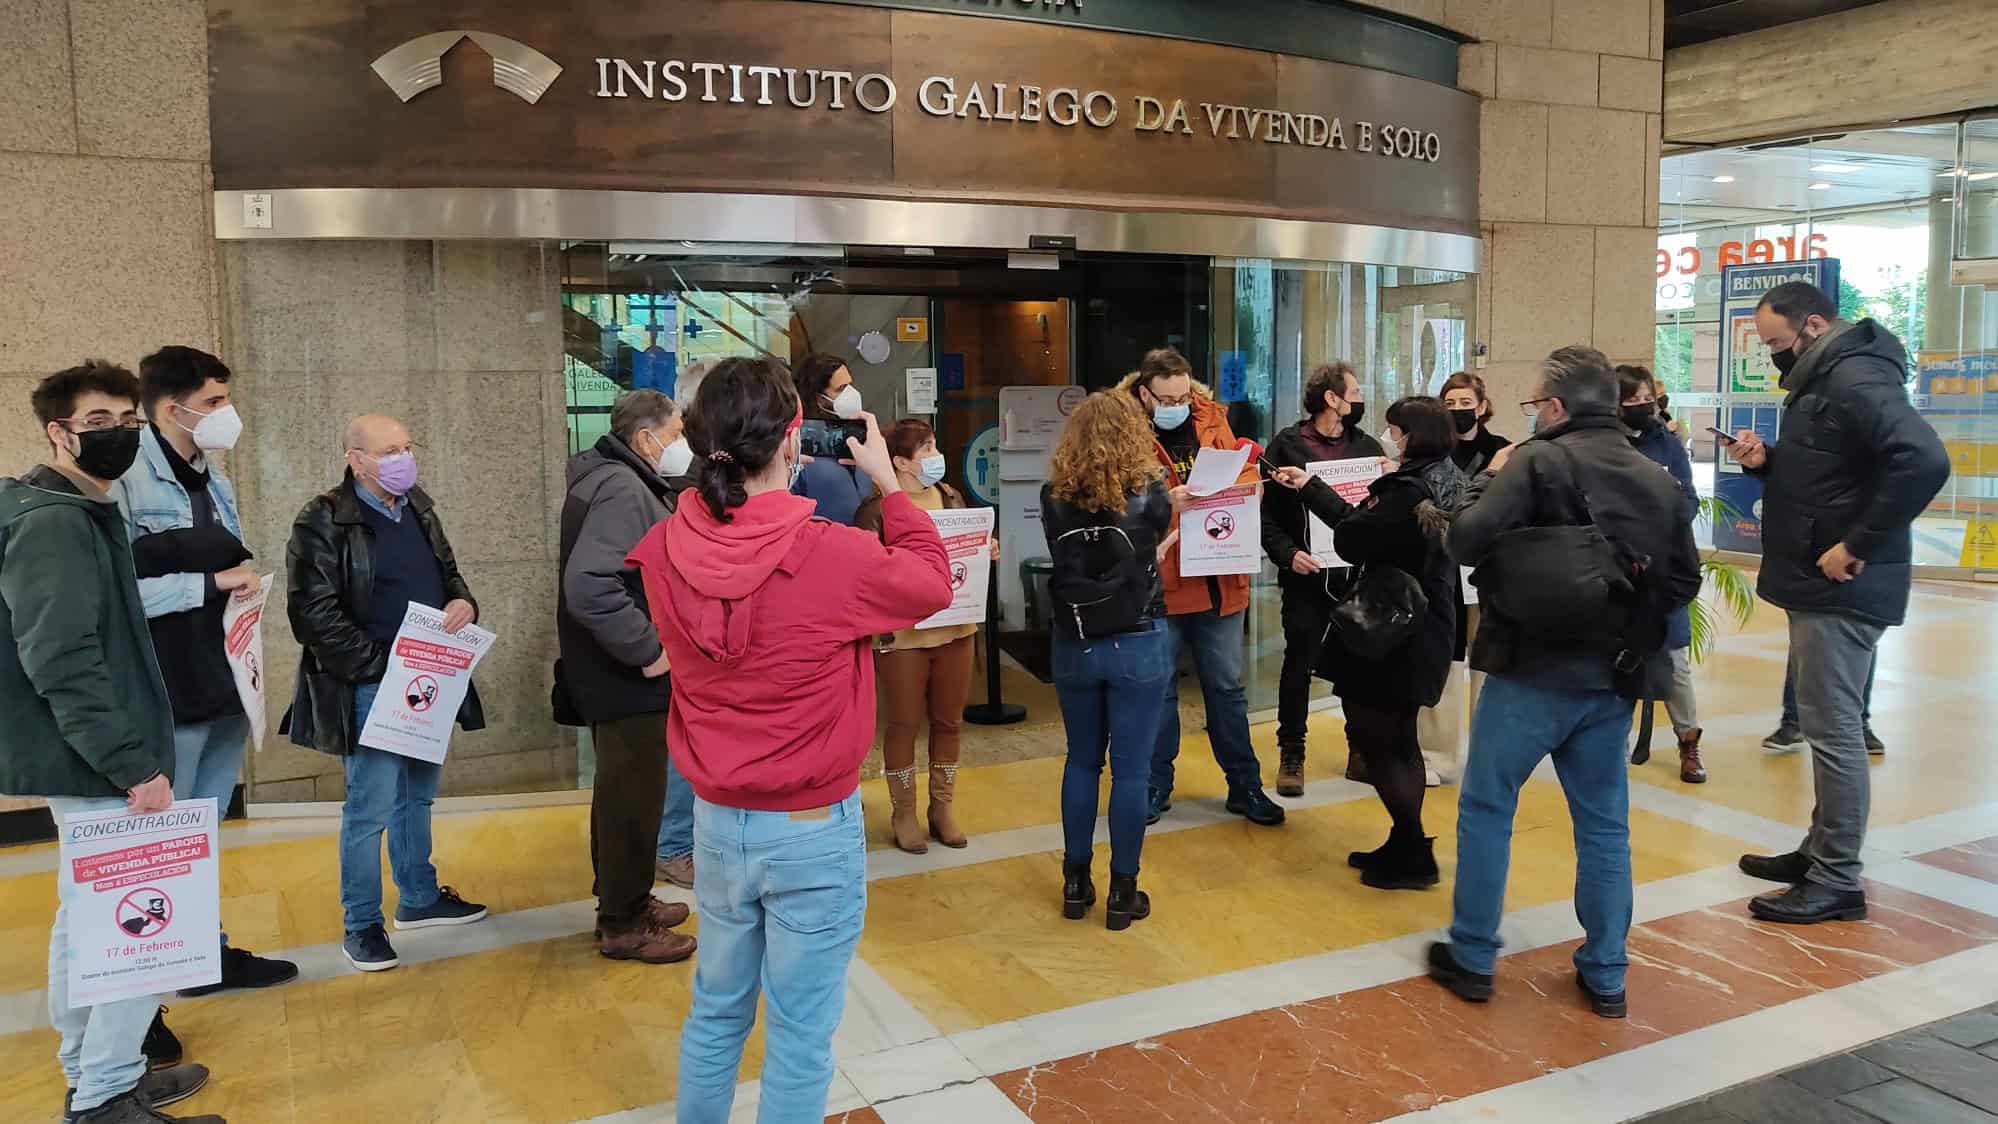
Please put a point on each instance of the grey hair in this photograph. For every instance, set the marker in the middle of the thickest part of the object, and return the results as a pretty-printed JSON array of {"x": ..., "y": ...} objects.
[
  {"x": 690, "y": 382},
  {"x": 1582, "y": 378},
  {"x": 640, "y": 409}
]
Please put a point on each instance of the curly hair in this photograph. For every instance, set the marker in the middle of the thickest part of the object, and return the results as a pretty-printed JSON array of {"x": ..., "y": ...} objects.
[{"x": 1105, "y": 454}]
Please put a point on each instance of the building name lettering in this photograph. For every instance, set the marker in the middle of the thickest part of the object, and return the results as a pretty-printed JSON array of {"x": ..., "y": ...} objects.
[{"x": 679, "y": 80}]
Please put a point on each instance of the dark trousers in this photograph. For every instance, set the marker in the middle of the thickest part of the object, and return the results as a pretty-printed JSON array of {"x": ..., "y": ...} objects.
[
  {"x": 1306, "y": 612},
  {"x": 624, "y": 815}
]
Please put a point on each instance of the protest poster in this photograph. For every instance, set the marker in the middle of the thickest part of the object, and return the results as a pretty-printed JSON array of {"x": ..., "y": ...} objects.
[
  {"x": 967, "y": 536},
  {"x": 243, "y": 646},
  {"x": 1222, "y": 533},
  {"x": 429, "y": 673},
  {"x": 1350, "y": 478},
  {"x": 142, "y": 902}
]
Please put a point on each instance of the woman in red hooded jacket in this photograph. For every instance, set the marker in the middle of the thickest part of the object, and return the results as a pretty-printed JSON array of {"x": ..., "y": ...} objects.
[{"x": 767, "y": 615}]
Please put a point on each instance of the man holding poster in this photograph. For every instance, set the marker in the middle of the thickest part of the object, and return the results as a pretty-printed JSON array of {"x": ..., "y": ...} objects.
[
  {"x": 88, "y": 724},
  {"x": 360, "y": 557},
  {"x": 201, "y": 593},
  {"x": 1206, "y": 579},
  {"x": 926, "y": 670},
  {"x": 1328, "y": 443}
]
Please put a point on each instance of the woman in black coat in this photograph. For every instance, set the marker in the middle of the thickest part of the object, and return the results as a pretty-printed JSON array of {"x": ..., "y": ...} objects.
[{"x": 1400, "y": 524}]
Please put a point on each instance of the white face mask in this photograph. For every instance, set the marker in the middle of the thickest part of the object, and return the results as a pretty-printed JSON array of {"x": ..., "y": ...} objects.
[
  {"x": 217, "y": 432},
  {"x": 932, "y": 469},
  {"x": 674, "y": 458},
  {"x": 846, "y": 404},
  {"x": 1391, "y": 445}
]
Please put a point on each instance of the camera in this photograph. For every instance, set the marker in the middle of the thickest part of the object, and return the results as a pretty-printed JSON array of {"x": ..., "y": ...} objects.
[{"x": 827, "y": 439}]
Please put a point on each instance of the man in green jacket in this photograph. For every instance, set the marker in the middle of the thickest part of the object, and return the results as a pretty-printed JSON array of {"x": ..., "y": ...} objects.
[{"x": 88, "y": 724}]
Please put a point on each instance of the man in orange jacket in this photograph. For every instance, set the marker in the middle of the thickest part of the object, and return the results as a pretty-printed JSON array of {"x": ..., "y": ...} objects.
[{"x": 1206, "y": 614}]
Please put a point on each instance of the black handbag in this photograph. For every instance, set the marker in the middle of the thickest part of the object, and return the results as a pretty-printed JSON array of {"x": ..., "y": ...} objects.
[
  {"x": 1555, "y": 580},
  {"x": 1380, "y": 614}
]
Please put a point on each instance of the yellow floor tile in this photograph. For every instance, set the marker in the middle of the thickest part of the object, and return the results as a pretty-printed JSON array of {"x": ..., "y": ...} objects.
[{"x": 985, "y": 944}]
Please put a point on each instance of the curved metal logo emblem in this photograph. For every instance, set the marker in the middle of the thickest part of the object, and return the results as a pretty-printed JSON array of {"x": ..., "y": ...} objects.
[{"x": 419, "y": 64}]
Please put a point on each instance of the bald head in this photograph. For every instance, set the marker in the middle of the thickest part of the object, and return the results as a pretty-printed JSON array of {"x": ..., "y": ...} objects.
[{"x": 376, "y": 435}]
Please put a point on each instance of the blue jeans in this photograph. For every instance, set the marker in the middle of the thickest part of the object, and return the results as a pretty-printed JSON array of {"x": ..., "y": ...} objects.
[
  {"x": 1216, "y": 643},
  {"x": 392, "y": 793},
  {"x": 1790, "y": 692},
  {"x": 782, "y": 896},
  {"x": 676, "y": 823},
  {"x": 101, "y": 1053},
  {"x": 1584, "y": 731},
  {"x": 1106, "y": 687},
  {"x": 207, "y": 759}
]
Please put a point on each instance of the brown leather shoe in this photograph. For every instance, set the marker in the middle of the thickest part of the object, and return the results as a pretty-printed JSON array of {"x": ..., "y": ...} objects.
[
  {"x": 665, "y": 915},
  {"x": 1691, "y": 769},
  {"x": 902, "y": 797},
  {"x": 943, "y": 793},
  {"x": 646, "y": 943}
]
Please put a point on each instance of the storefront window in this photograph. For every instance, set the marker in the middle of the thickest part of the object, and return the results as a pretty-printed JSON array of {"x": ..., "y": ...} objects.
[{"x": 1881, "y": 205}]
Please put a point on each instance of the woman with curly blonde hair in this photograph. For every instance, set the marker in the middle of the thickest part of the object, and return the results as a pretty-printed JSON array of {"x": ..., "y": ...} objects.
[{"x": 1108, "y": 518}]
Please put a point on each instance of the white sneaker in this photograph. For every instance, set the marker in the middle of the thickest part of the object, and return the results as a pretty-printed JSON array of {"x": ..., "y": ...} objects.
[{"x": 1432, "y": 779}]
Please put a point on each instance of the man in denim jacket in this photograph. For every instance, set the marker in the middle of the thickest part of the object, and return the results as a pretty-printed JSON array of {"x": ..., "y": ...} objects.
[{"x": 187, "y": 547}]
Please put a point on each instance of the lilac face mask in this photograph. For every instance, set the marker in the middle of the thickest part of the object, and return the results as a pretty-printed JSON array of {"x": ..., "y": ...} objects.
[{"x": 396, "y": 473}]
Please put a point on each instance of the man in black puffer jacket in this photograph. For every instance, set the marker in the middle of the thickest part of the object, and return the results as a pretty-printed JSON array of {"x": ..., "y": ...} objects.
[
  {"x": 1854, "y": 464},
  {"x": 1330, "y": 431}
]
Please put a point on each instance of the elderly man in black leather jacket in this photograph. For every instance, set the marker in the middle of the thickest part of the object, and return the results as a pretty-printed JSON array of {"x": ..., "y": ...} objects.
[
  {"x": 1853, "y": 466},
  {"x": 359, "y": 556}
]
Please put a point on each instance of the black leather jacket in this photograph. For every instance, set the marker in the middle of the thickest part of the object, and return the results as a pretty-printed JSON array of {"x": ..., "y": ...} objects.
[
  {"x": 330, "y": 577},
  {"x": 1146, "y": 520}
]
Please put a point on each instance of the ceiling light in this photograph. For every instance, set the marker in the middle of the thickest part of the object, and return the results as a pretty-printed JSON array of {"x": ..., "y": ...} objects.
[
  {"x": 1723, "y": 179},
  {"x": 1834, "y": 167},
  {"x": 1977, "y": 176},
  {"x": 1820, "y": 187},
  {"x": 1948, "y": 172}
]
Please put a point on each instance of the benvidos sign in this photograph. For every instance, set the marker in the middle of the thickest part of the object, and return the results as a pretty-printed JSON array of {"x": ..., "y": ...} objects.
[{"x": 757, "y": 86}]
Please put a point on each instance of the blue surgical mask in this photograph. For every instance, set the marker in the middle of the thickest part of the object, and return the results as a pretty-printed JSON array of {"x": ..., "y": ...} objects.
[
  {"x": 1171, "y": 417},
  {"x": 932, "y": 469}
]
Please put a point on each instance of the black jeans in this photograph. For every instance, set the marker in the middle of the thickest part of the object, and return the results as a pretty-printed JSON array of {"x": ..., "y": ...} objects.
[
  {"x": 1307, "y": 610},
  {"x": 1384, "y": 734},
  {"x": 625, "y": 809}
]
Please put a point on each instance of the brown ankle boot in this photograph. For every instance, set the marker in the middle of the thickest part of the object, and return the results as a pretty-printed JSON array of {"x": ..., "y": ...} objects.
[
  {"x": 1691, "y": 769},
  {"x": 1290, "y": 770},
  {"x": 902, "y": 796},
  {"x": 943, "y": 791}
]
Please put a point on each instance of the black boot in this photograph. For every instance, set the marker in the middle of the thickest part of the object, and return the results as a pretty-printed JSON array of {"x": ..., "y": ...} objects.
[
  {"x": 1362, "y": 860},
  {"x": 1078, "y": 892},
  {"x": 1409, "y": 864},
  {"x": 1127, "y": 903}
]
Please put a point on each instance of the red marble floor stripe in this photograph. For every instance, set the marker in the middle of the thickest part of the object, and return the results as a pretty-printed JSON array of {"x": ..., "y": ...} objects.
[
  {"x": 1383, "y": 1051},
  {"x": 1978, "y": 860},
  {"x": 857, "y": 1116}
]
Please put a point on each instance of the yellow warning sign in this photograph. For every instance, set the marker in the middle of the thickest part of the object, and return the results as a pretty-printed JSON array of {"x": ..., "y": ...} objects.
[
  {"x": 1980, "y": 544},
  {"x": 912, "y": 329}
]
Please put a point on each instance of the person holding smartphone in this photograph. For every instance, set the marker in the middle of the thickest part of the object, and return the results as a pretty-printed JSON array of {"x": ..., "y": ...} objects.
[
  {"x": 832, "y": 405},
  {"x": 1650, "y": 437}
]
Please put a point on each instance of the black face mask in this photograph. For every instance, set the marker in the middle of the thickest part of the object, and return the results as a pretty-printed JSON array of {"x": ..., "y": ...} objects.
[
  {"x": 1355, "y": 411},
  {"x": 1464, "y": 420},
  {"x": 1785, "y": 360},
  {"x": 106, "y": 453},
  {"x": 1640, "y": 418}
]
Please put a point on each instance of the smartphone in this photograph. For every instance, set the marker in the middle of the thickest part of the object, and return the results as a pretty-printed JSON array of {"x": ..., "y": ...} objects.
[
  {"x": 827, "y": 439},
  {"x": 1721, "y": 435}
]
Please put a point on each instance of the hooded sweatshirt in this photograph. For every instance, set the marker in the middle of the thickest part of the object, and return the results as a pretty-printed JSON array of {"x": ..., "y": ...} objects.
[{"x": 768, "y": 620}]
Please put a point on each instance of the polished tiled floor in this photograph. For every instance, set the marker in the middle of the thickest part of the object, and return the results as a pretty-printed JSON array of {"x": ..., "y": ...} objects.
[{"x": 1268, "y": 986}]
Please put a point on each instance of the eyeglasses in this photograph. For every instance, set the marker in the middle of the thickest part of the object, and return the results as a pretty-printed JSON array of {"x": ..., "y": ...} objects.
[
  {"x": 1531, "y": 406},
  {"x": 1182, "y": 400},
  {"x": 98, "y": 422}
]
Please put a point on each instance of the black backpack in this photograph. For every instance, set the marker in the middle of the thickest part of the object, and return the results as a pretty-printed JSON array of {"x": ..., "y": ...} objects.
[{"x": 1100, "y": 585}]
